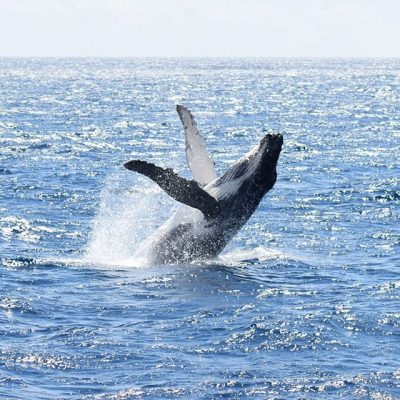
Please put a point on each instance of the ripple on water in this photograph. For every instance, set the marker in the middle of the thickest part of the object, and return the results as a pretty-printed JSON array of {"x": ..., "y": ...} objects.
[{"x": 304, "y": 301}]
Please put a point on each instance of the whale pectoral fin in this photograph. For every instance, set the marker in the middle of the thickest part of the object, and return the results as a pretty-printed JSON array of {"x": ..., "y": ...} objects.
[
  {"x": 199, "y": 162},
  {"x": 183, "y": 190}
]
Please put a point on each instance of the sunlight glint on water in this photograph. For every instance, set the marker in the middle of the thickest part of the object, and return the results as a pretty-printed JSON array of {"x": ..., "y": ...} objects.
[{"x": 303, "y": 303}]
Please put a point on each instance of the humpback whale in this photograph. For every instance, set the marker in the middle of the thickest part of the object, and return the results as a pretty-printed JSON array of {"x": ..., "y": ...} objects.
[{"x": 214, "y": 208}]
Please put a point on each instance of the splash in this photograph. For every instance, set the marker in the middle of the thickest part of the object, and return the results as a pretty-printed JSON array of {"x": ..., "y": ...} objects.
[
  {"x": 130, "y": 210},
  {"x": 249, "y": 256}
]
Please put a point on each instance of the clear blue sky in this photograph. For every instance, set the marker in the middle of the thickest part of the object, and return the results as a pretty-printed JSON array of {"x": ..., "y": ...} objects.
[{"x": 264, "y": 28}]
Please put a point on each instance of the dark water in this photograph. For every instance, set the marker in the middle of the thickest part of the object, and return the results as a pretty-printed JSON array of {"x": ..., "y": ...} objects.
[{"x": 303, "y": 304}]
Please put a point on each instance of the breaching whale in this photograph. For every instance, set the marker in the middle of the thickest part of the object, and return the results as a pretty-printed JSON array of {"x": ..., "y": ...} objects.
[{"x": 215, "y": 208}]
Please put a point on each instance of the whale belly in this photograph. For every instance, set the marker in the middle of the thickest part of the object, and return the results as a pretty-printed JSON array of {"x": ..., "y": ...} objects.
[{"x": 185, "y": 237}]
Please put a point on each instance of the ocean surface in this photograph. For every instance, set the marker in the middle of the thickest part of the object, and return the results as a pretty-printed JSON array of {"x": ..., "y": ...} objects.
[{"x": 304, "y": 303}]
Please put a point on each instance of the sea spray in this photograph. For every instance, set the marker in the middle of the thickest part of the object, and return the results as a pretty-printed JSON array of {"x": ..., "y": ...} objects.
[{"x": 131, "y": 208}]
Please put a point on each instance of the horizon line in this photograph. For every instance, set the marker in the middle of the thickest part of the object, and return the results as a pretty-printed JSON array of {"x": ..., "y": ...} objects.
[{"x": 201, "y": 57}]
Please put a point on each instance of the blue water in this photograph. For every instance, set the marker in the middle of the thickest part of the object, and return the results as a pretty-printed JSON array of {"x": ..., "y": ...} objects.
[{"x": 303, "y": 304}]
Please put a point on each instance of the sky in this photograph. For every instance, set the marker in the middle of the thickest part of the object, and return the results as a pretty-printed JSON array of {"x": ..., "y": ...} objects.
[{"x": 199, "y": 28}]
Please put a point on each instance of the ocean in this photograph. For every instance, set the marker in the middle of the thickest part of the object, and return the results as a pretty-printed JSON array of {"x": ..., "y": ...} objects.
[{"x": 304, "y": 303}]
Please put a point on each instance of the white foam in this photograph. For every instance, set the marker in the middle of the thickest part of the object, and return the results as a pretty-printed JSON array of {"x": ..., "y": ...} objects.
[
  {"x": 127, "y": 215},
  {"x": 259, "y": 254}
]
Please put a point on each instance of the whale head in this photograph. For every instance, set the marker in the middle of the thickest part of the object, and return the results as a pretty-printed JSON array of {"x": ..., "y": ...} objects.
[
  {"x": 256, "y": 171},
  {"x": 265, "y": 158}
]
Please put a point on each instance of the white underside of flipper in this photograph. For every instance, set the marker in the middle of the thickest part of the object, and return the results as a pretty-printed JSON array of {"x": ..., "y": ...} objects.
[{"x": 199, "y": 162}]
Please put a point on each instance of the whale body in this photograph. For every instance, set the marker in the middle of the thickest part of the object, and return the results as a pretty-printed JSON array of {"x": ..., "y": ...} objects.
[{"x": 214, "y": 208}]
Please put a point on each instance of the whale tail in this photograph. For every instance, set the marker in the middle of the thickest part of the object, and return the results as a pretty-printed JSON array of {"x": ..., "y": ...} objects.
[{"x": 183, "y": 190}]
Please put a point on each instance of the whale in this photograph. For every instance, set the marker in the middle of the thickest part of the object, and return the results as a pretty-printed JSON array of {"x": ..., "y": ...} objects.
[{"x": 214, "y": 208}]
